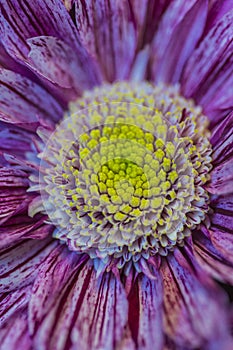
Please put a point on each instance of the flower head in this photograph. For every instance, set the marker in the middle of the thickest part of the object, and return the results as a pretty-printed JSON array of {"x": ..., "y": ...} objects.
[{"x": 116, "y": 174}]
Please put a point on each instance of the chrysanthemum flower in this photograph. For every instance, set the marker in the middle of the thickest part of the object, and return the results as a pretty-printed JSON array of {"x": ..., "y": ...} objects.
[{"x": 116, "y": 174}]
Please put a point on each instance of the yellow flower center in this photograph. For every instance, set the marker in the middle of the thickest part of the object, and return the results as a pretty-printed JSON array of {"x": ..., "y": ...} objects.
[{"x": 125, "y": 171}]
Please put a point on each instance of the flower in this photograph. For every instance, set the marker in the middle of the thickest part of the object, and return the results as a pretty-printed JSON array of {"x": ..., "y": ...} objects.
[{"x": 116, "y": 196}]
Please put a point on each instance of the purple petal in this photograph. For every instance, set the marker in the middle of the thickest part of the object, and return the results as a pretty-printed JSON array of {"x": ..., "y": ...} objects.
[
  {"x": 25, "y": 103},
  {"x": 14, "y": 302},
  {"x": 20, "y": 263},
  {"x": 70, "y": 306},
  {"x": 176, "y": 39},
  {"x": 208, "y": 74},
  {"x": 145, "y": 313},
  {"x": 15, "y": 333},
  {"x": 58, "y": 62},
  {"x": 195, "y": 315},
  {"x": 108, "y": 32},
  {"x": 21, "y": 21},
  {"x": 211, "y": 260}
]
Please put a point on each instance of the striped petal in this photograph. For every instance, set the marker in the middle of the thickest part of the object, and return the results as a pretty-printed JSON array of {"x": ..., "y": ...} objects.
[
  {"x": 70, "y": 306},
  {"x": 108, "y": 32},
  {"x": 24, "y": 103},
  {"x": 20, "y": 263},
  {"x": 208, "y": 76},
  {"x": 194, "y": 314},
  {"x": 146, "y": 312},
  {"x": 176, "y": 39}
]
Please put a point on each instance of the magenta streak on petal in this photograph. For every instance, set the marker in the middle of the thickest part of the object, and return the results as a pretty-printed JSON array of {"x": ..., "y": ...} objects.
[{"x": 133, "y": 313}]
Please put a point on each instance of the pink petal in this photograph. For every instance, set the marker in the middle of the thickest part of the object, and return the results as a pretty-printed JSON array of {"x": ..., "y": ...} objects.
[
  {"x": 194, "y": 312},
  {"x": 71, "y": 307},
  {"x": 15, "y": 333},
  {"x": 20, "y": 262},
  {"x": 208, "y": 74},
  {"x": 145, "y": 313},
  {"x": 176, "y": 39},
  {"x": 108, "y": 32},
  {"x": 25, "y": 103}
]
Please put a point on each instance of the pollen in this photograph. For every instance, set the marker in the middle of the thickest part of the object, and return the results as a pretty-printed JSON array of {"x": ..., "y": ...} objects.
[{"x": 133, "y": 159}]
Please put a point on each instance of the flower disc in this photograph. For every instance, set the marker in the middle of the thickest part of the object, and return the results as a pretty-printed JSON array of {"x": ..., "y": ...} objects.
[{"x": 125, "y": 171}]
